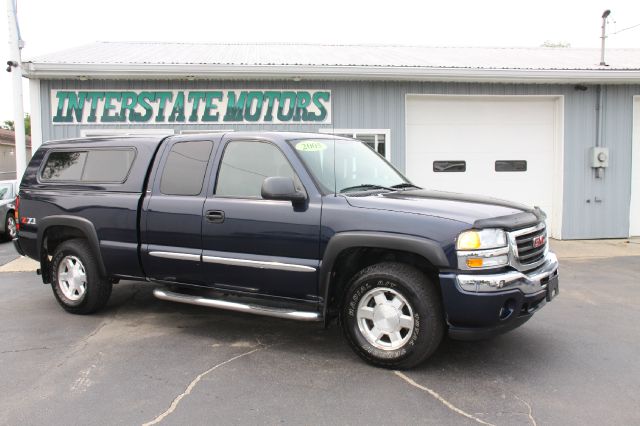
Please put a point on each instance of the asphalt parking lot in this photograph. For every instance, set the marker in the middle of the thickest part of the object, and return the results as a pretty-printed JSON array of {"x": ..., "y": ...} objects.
[{"x": 143, "y": 360}]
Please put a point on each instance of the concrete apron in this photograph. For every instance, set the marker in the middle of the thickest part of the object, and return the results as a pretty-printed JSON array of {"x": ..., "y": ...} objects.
[{"x": 595, "y": 249}]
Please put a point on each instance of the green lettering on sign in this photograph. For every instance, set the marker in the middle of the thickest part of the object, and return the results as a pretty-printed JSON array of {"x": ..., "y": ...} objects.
[{"x": 157, "y": 107}]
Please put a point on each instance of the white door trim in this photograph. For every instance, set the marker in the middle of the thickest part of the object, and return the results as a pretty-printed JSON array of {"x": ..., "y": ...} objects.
[
  {"x": 558, "y": 145},
  {"x": 36, "y": 114},
  {"x": 634, "y": 202}
]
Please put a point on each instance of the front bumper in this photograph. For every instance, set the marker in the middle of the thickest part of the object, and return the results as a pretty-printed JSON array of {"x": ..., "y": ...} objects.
[{"x": 482, "y": 305}]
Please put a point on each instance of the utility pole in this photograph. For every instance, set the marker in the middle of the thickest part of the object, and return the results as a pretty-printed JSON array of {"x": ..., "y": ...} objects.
[
  {"x": 14, "y": 66},
  {"x": 605, "y": 15}
]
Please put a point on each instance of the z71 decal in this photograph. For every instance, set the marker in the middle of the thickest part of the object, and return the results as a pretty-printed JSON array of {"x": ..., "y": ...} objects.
[{"x": 28, "y": 221}]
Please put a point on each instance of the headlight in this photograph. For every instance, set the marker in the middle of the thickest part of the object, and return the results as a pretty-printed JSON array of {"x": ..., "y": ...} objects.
[
  {"x": 482, "y": 239},
  {"x": 482, "y": 249}
]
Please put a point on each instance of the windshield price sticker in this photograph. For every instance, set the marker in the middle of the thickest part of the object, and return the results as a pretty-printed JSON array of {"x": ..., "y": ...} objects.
[{"x": 311, "y": 146}]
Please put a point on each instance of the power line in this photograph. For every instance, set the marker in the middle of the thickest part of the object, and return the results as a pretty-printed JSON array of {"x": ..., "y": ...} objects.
[{"x": 625, "y": 29}]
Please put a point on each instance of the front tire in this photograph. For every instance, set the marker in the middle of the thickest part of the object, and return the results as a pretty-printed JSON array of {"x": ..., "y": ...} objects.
[
  {"x": 75, "y": 278},
  {"x": 392, "y": 316}
]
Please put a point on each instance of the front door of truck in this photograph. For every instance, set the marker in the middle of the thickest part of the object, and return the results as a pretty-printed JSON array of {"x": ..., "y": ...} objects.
[
  {"x": 172, "y": 212},
  {"x": 254, "y": 245}
]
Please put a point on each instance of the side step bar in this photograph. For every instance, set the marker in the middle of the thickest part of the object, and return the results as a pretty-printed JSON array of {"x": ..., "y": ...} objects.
[{"x": 235, "y": 306}]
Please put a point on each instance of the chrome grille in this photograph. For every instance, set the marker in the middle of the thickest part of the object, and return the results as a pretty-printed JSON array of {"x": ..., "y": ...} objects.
[{"x": 527, "y": 253}]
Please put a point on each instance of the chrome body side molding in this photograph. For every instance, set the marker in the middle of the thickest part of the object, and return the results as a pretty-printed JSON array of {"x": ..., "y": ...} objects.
[
  {"x": 258, "y": 264},
  {"x": 175, "y": 256}
]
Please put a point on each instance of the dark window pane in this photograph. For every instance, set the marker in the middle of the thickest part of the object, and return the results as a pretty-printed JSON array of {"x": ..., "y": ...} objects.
[
  {"x": 5, "y": 192},
  {"x": 108, "y": 165},
  {"x": 511, "y": 166},
  {"x": 184, "y": 170},
  {"x": 381, "y": 145},
  {"x": 449, "y": 166},
  {"x": 64, "y": 166},
  {"x": 245, "y": 165}
]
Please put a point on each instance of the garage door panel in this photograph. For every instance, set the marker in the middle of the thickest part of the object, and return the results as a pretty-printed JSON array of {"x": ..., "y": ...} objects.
[
  {"x": 479, "y": 138},
  {"x": 480, "y": 132},
  {"x": 477, "y": 112}
]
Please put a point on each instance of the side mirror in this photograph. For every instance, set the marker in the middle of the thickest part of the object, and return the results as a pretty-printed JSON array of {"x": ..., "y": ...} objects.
[{"x": 281, "y": 188}]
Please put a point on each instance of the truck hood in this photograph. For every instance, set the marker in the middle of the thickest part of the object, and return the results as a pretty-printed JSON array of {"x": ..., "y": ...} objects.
[{"x": 474, "y": 210}]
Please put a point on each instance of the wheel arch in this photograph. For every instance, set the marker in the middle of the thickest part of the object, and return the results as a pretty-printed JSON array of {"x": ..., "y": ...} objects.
[
  {"x": 344, "y": 248},
  {"x": 54, "y": 230}
]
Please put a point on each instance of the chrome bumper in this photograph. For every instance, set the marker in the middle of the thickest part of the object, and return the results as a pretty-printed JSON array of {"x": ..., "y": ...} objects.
[{"x": 529, "y": 283}]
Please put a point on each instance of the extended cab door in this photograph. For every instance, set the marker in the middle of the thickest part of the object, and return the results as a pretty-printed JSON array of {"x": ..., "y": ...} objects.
[
  {"x": 254, "y": 245},
  {"x": 172, "y": 211}
]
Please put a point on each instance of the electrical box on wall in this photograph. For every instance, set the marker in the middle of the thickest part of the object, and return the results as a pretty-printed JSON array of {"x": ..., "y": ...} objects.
[{"x": 599, "y": 156}]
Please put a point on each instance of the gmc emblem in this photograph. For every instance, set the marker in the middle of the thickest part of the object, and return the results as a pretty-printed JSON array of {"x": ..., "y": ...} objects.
[{"x": 538, "y": 241}]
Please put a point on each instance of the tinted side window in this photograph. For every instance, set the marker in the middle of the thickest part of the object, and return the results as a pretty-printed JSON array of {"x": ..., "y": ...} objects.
[
  {"x": 185, "y": 167},
  {"x": 108, "y": 165},
  {"x": 64, "y": 166},
  {"x": 246, "y": 164}
]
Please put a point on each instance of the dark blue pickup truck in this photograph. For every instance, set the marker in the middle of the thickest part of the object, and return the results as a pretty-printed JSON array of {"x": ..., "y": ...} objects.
[{"x": 292, "y": 225}]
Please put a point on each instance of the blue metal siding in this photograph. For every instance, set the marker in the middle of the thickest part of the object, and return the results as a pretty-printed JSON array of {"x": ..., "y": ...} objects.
[{"x": 382, "y": 105}]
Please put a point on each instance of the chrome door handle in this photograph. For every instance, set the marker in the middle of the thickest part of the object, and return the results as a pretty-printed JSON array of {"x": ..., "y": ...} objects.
[{"x": 214, "y": 216}]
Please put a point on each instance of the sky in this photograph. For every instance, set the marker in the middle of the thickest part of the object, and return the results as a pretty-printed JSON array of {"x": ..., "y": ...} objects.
[{"x": 48, "y": 26}]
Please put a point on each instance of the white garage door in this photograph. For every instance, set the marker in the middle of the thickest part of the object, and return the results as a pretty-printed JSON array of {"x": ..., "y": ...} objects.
[{"x": 500, "y": 146}]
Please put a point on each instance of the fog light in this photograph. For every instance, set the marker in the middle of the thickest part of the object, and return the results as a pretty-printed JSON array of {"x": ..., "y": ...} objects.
[{"x": 508, "y": 309}]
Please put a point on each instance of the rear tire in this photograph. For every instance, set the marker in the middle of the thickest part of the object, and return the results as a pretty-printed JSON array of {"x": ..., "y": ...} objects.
[
  {"x": 392, "y": 315},
  {"x": 10, "y": 227},
  {"x": 75, "y": 278}
]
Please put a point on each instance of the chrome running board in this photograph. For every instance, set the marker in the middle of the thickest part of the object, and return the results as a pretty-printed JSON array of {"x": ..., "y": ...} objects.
[{"x": 235, "y": 306}]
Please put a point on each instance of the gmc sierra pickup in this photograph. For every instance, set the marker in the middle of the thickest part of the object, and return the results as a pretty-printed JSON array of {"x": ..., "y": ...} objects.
[{"x": 292, "y": 225}]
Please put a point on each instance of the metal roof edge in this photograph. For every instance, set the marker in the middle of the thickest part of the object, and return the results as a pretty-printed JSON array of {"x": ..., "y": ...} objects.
[{"x": 33, "y": 70}]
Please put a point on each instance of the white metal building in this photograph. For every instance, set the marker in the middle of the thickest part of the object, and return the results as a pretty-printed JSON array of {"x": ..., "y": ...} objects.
[{"x": 521, "y": 124}]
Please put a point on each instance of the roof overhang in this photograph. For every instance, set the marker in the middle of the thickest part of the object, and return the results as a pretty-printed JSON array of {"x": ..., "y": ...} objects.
[{"x": 34, "y": 70}]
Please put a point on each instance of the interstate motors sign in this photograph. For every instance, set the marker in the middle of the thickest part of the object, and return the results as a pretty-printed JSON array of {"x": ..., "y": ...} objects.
[{"x": 191, "y": 106}]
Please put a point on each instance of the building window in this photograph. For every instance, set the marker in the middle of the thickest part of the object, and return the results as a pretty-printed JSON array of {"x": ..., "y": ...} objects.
[
  {"x": 511, "y": 166},
  {"x": 450, "y": 166},
  {"x": 377, "y": 139}
]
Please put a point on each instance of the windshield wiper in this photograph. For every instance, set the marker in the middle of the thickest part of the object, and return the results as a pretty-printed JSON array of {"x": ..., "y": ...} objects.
[
  {"x": 366, "y": 186},
  {"x": 404, "y": 185}
]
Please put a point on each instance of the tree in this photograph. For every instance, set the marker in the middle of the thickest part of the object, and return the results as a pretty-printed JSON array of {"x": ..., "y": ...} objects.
[
  {"x": 10, "y": 125},
  {"x": 561, "y": 44}
]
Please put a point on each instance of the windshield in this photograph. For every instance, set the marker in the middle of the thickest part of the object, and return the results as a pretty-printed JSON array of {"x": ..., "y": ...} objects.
[
  {"x": 5, "y": 191},
  {"x": 357, "y": 167}
]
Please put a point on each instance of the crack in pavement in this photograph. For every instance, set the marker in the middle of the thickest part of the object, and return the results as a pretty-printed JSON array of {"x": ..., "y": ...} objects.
[
  {"x": 437, "y": 396},
  {"x": 85, "y": 341},
  {"x": 25, "y": 350},
  {"x": 194, "y": 382},
  {"x": 530, "y": 414}
]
